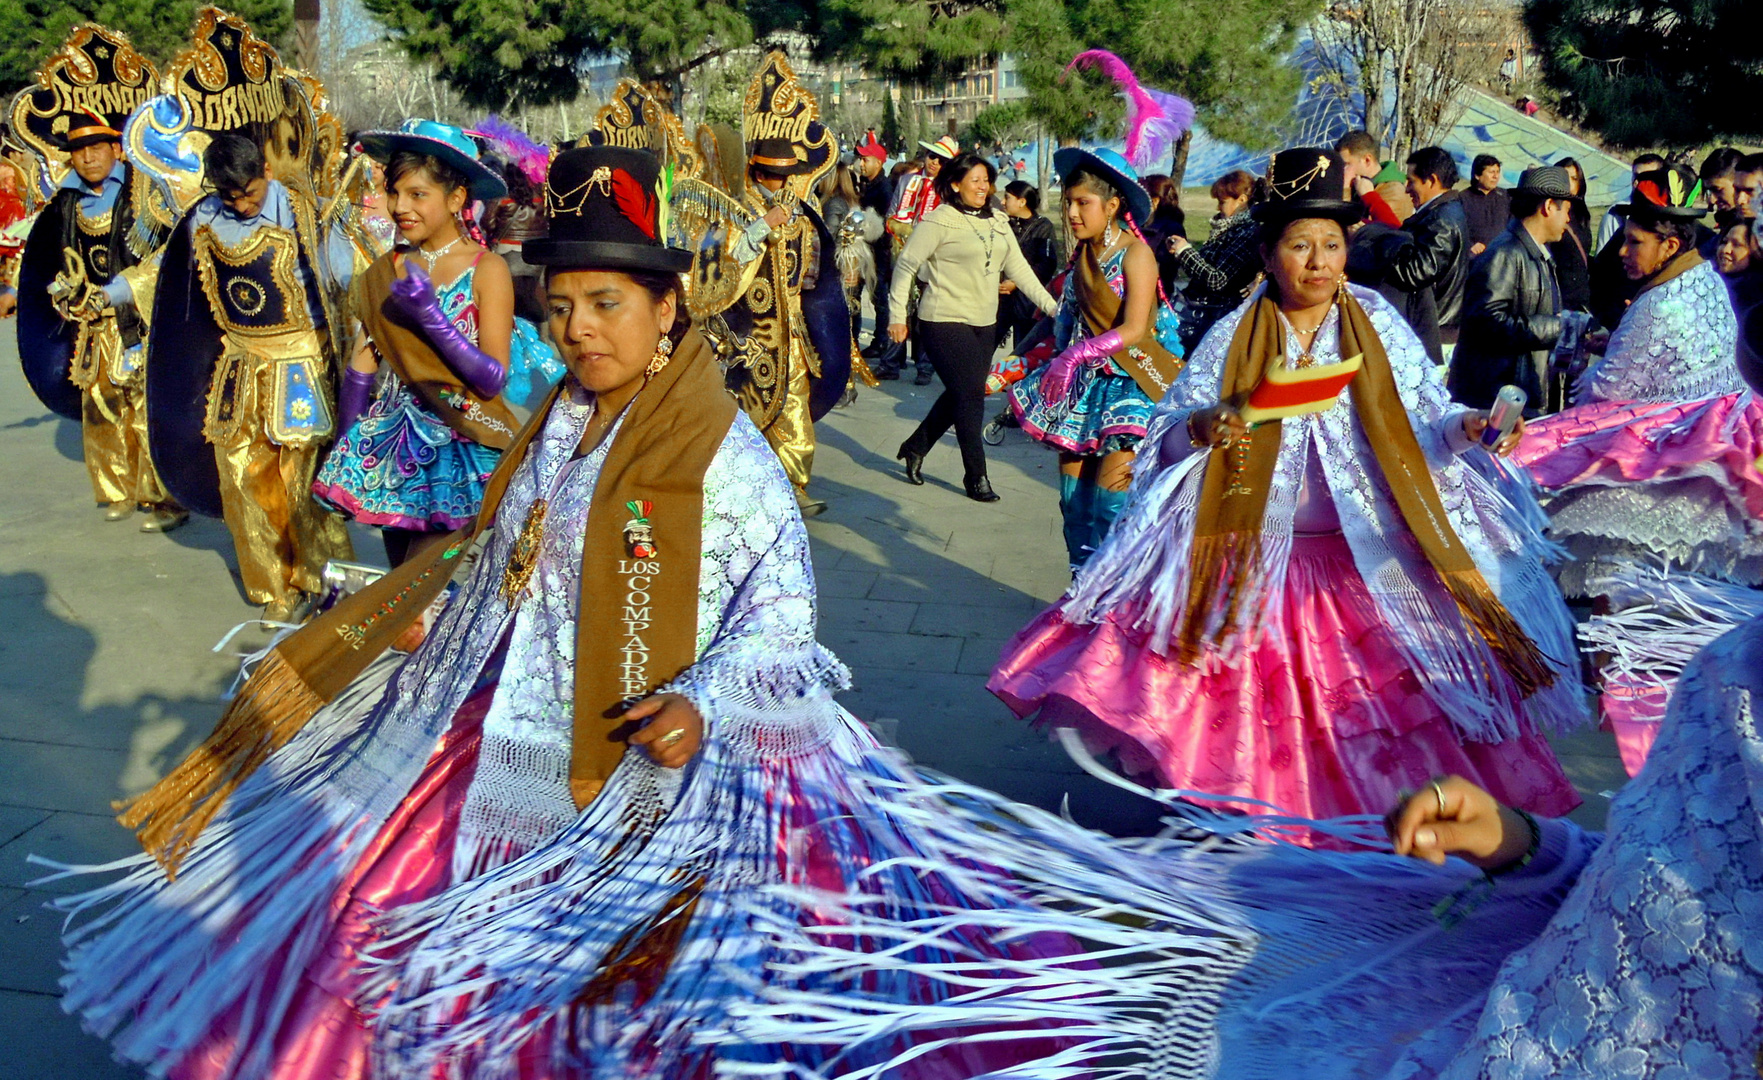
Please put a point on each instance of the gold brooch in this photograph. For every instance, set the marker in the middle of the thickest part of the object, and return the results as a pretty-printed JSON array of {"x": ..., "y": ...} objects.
[{"x": 524, "y": 559}]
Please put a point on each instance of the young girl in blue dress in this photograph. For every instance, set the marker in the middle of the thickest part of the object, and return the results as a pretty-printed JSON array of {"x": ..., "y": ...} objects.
[
  {"x": 421, "y": 418},
  {"x": 1119, "y": 348}
]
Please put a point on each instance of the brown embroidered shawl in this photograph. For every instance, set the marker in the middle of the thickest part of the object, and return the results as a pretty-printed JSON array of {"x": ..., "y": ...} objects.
[
  {"x": 636, "y": 628},
  {"x": 1233, "y": 497},
  {"x": 1152, "y": 366}
]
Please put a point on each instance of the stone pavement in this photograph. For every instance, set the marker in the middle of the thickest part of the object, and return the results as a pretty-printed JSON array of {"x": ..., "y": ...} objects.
[{"x": 106, "y": 673}]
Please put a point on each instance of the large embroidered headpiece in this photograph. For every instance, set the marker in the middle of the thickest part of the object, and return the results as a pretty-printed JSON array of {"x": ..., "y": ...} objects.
[
  {"x": 83, "y": 94},
  {"x": 634, "y": 118},
  {"x": 780, "y": 113},
  {"x": 607, "y": 207}
]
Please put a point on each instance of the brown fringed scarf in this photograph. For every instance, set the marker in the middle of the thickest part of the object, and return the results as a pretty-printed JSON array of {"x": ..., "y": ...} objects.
[
  {"x": 1154, "y": 368},
  {"x": 1233, "y": 498},
  {"x": 636, "y": 630},
  {"x": 484, "y": 421}
]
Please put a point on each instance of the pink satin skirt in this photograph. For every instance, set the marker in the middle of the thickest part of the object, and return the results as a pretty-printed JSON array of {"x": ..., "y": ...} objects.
[
  {"x": 1322, "y": 720},
  {"x": 1618, "y": 442},
  {"x": 326, "y": 1034}
]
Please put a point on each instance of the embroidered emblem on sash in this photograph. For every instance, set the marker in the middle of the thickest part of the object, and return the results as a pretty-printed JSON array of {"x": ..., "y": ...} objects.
[
  {"x": 300, "y": 414},
  {"x": 639, "y": 535},
  {"x": 639, "y": 573}
]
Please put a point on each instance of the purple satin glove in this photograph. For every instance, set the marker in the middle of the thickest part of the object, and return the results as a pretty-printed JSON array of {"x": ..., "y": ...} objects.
[
  {"x": 414, "y": 296},
  {"x": 352, "y": 399},
  {"x": 1056, "y": 380}
]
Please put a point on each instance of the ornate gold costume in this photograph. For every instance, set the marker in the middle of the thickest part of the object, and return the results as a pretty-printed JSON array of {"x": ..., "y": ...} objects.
[
  {"x": 748, "y": 281},
  {"x": 108, "y": 370},
  {"x": 772, "y": 362},
  {"x": 269, "y": 413}
]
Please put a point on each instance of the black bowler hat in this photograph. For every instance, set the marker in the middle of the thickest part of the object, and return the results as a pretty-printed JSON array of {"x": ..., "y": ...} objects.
[
  {"x": 605, "y": 205},
  {"x": 1306, "y": 182},
  {"x": 87, "y": 128},
  {"x": 776, "y": 156},
  {"x": 1665, "y": 193}
]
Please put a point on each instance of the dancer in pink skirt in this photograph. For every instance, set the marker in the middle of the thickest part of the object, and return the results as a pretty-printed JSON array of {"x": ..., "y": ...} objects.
[
  {"x": 1651, "y": 480},
  {"x": 1274, "y": 618}
]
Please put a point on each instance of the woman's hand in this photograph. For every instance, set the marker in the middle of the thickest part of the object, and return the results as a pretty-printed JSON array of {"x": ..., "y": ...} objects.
[
  {"x": 897, "y": 332},
  {"x": 1175, "y": 244},
  {"x": 673, "y": 732},
  {"x": 1475, "y": 422},
  {"x": 1005, "y": 288},
  {"x": 1220, "y": 425},
  {"x": 1451, "y": 816},
  {"x": 1595, "y": 341}
]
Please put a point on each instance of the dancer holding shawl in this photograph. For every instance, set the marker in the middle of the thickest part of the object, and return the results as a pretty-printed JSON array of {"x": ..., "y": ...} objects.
[
  {"x": 1654, "y": 467},
  {"x": 1328, "y": 606},
  {"x": 539, "y": 845},
  {"x": 439, "y": 312}
]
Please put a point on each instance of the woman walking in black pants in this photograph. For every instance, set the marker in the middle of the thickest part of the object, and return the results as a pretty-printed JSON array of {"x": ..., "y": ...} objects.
[{"x": 964, "y": 248}]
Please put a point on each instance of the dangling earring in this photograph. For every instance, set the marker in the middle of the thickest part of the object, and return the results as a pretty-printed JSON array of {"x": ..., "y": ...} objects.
[
  {"x": 1340, "y": 289},
  {"x": 1109, "y": 235},
  {"x": 663, "y": 353}
]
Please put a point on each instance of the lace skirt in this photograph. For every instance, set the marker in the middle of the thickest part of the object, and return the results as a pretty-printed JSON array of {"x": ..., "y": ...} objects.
[
  {"x": 401, "y": 467},
  {"x": 1645, "y": 483},
  {"x": 1323, "y": 718},
  {"x": 1106, "y": 411}
]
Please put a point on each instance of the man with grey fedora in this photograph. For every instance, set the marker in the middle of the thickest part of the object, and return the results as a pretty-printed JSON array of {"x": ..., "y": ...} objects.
[{"x": 1512, "y": 300}]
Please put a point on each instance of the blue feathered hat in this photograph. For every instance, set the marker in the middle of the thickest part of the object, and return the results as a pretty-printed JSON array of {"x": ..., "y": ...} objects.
[{"x": 1111, "y": 167}]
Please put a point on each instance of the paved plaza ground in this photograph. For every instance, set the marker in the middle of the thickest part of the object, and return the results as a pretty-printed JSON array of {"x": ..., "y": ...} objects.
[{"x": 107, "y": 673}]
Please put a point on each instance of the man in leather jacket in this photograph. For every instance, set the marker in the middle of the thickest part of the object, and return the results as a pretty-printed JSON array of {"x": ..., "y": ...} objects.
[
  {"x": 1429, "y": 254},
  {"x": 1512, "y": 301}
]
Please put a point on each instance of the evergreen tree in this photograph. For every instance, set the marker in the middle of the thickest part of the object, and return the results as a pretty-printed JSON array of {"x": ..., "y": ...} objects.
[
  {"x": 1646, "y": 73},
  {"x": 32, "y": 29},
  {"x": 531, "y": 52},
  {"x": 1229, "y": 59},
  {"x": 923, "y": 42},
  {"x": 891, "y": 135}
]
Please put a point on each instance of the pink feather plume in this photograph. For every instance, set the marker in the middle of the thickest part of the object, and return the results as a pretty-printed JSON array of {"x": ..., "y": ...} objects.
[
  {"x": 534, "y": 160},
  {"x": 1155, "y": 119}
]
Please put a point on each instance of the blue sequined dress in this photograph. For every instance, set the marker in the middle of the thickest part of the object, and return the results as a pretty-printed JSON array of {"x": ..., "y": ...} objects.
[
  {"x": 400, "y": 466},
  {"x": 1105, "y": 411}
]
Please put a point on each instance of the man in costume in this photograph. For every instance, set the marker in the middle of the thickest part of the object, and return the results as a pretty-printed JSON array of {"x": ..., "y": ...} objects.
[
  {"x": 792, "y": 245},
  {"x": 915, "y": 196},
  {"x": 86, "y": 281},
  {"x": 248, "y": 364},
  {"x": 764, "y": 281}
]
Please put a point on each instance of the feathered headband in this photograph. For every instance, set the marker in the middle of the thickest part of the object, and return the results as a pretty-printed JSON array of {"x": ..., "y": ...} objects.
[
  {"x": 1154, "y": 119},
  {"x": 512, "y": 143}
]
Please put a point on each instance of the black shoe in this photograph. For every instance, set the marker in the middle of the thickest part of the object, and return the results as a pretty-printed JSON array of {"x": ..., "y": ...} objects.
[
  {"x": 921, "y": 379},
  {"x": 874, "y": 350},
  {"x": 981, "y": 490},
  {"x": 914, "y": 466},
  {"x": 887, "y": 373}
]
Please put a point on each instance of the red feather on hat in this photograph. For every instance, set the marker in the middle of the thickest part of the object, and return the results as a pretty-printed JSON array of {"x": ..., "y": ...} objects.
[{"x": 634, "y": 201}]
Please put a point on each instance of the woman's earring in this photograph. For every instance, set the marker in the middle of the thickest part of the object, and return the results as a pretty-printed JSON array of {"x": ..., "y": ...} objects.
[{"x": 663, "y": 352}]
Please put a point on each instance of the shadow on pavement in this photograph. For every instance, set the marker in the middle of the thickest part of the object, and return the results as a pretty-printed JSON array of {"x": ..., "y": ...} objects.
[{"x": 920, "y": 630}]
